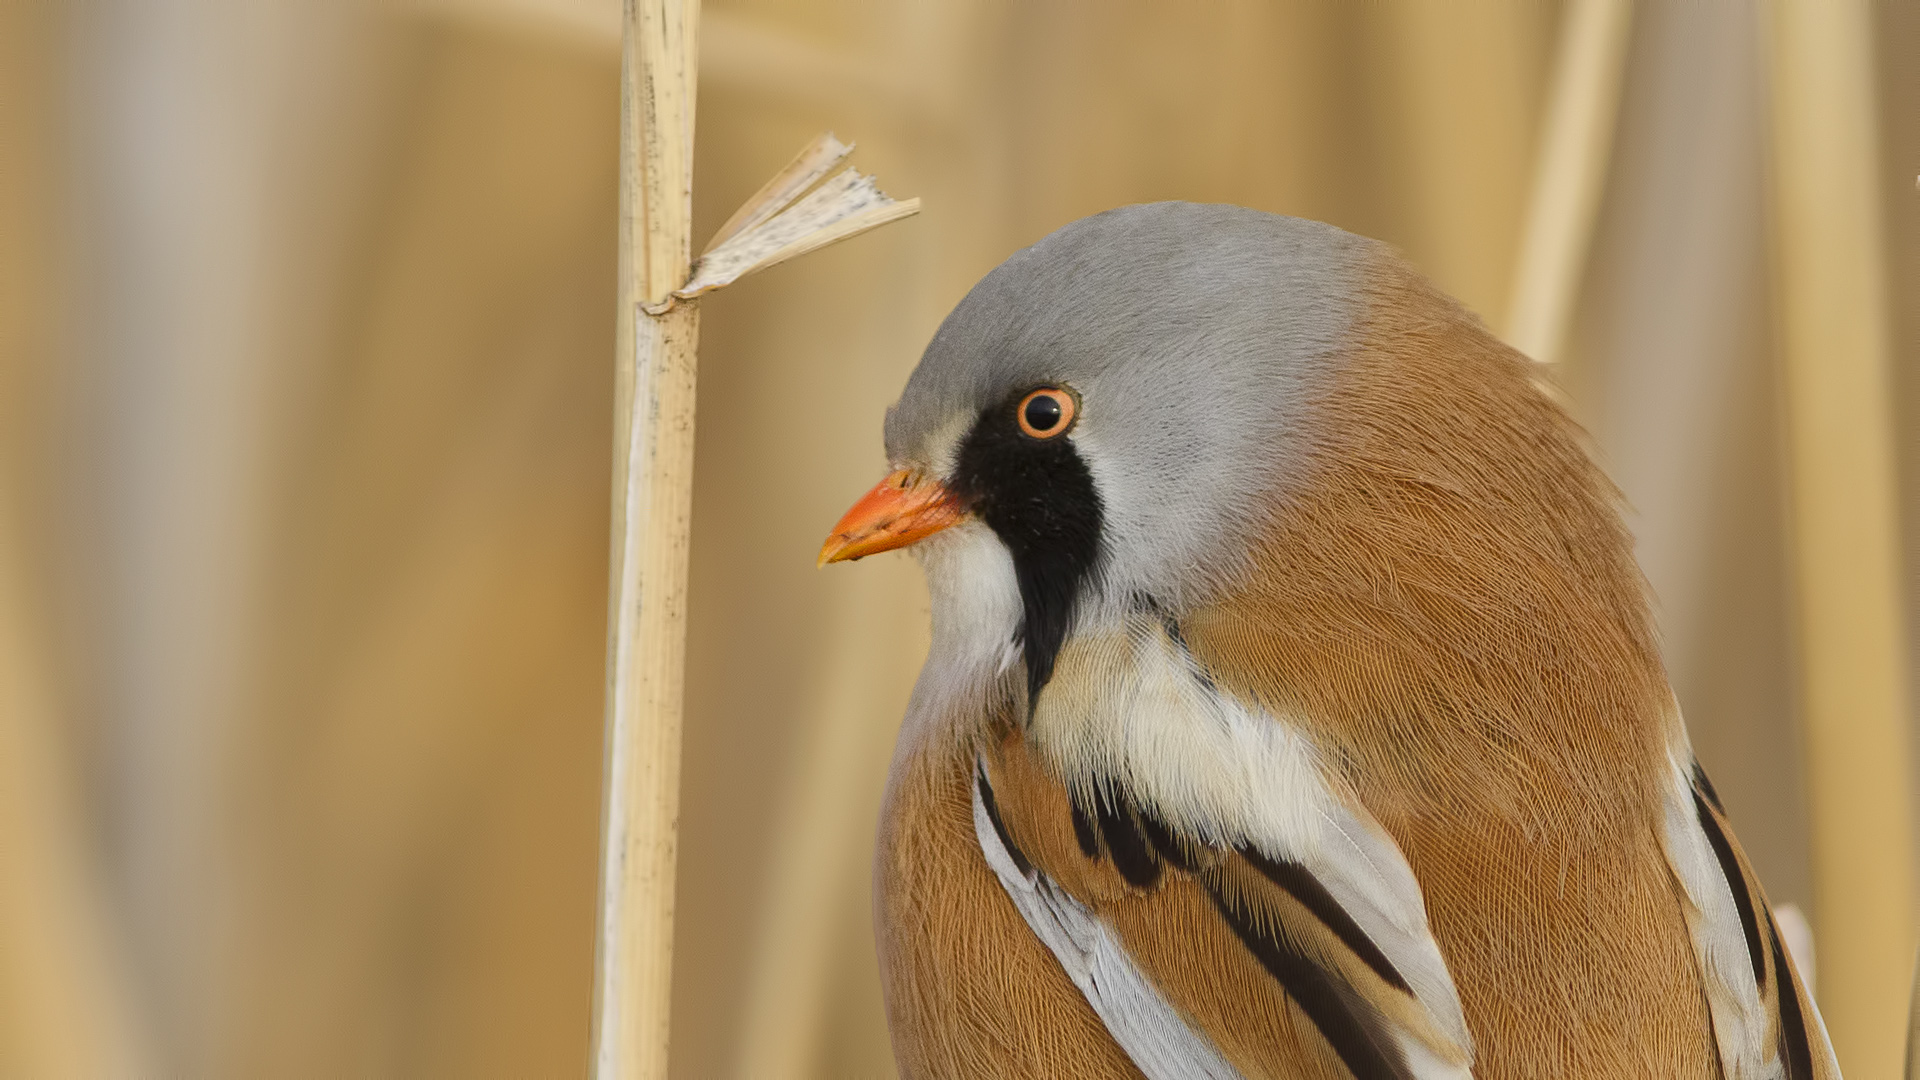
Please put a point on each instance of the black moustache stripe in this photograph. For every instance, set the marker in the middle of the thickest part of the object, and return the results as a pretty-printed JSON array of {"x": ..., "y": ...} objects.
[{"x": 1038, "y": 497}]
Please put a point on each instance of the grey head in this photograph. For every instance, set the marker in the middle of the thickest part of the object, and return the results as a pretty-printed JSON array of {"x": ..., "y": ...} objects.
[{"x": 1194, "y": 341}]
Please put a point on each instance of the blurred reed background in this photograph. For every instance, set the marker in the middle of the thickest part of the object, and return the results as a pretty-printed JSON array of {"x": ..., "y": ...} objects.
[{"x": 306, "y": 319}]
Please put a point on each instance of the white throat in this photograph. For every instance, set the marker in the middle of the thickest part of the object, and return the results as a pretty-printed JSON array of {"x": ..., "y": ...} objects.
[{"x": 976, "y": 616}]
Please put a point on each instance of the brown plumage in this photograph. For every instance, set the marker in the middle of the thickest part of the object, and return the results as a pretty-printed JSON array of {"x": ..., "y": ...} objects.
[
  {"x": 970, "y": 991},
  {"x": 1436, "y": 600},
  {"x": 1455, "y": 611}
]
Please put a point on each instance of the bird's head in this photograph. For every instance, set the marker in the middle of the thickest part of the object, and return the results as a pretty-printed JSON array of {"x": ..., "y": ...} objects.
[{"x": 1108, "y": 419}]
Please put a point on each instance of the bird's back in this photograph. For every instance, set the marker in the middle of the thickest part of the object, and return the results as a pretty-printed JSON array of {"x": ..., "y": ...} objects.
[{"x": 1455, "y": 614}]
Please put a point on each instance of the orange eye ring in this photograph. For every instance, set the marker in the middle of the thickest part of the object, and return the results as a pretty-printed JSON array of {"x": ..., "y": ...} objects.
[{"x": 1047, "y": 412}]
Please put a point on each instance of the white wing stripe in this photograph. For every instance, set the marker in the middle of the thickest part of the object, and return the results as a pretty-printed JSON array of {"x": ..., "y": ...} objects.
[
  {"x": 1399, "y": 926},
  {"x": 1160, "y": 1043},
  {"x": 1740, "y": 1025}
]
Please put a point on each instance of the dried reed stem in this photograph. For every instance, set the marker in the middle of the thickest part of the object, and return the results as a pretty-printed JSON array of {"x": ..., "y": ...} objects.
[
  {"x": 652, "y": 499},
  {"x": 653, "y": 488}
]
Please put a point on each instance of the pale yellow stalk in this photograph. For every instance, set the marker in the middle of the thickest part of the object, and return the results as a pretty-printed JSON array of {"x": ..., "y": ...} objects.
[{"x": 653, "y": 488}]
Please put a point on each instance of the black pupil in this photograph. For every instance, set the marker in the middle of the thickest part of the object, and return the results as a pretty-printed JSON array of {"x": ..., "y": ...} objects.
[{"x": 1043, "y": 412}]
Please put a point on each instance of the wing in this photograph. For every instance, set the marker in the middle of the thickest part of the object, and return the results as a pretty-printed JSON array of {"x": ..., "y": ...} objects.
[
  {"x": 971, "y": 991},
  {"x": 1763, "y": 1021},
  {"x": 1284, "y": 936},
  {"x": 1153, "y": 1034}
]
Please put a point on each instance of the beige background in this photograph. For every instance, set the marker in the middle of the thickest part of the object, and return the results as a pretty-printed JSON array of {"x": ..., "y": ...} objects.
[{"x": 306, "y": 313}]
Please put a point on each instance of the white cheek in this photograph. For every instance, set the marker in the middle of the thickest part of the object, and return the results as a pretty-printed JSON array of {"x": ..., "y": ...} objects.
[{"x": 976, "y": 604}]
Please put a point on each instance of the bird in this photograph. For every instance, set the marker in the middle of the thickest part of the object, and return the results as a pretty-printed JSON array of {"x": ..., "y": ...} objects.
[{"x": 1293, "y": 706}]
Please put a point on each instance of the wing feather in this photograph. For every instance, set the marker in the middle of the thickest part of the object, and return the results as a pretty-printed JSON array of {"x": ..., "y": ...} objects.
[
  {"x": 1136, "y": 780},
  {"x": 1158, "y": 1040},
  {"x": 1765, "y": 1025},
  {"x": 1313, "y": 984},
  {"x": 1354, "y": 1028}
]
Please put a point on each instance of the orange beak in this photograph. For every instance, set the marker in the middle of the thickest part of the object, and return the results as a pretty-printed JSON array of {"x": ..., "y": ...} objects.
[{"x": 902, "y": 509}]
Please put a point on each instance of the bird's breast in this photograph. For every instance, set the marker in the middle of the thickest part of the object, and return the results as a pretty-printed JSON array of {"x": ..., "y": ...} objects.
[{"x": 1129, "y": 706}]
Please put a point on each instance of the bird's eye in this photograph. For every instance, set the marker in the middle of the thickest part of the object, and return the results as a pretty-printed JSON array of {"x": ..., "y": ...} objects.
[{"x": 1047, "y": 412}]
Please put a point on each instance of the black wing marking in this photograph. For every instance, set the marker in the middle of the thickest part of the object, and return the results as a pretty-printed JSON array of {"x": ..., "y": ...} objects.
[
  {"x": 1352, "y": 1027},
  {"x": 1795, "y": 1049},
  {"x": 1300, "y": 884},
  {"x": 992, "y": 806},
  {"x": 1736, "y": 881},
  {"x": 1799, "y": 1047},
  {"x": 1143, "y": 848}
]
